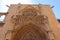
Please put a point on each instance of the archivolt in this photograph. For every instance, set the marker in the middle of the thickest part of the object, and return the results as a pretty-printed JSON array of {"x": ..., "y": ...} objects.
[{"x": 30, "y": 32}]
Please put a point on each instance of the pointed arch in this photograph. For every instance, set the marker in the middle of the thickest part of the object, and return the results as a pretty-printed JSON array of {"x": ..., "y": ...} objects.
[{"x": 30, "y": 32}]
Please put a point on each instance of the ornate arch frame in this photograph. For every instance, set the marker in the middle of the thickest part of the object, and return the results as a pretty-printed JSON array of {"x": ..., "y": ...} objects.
[{"x": 30, "y": 29}]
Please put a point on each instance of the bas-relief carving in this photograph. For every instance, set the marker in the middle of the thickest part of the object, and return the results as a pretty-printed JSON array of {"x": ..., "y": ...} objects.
[{"x": 30, "y": 19}]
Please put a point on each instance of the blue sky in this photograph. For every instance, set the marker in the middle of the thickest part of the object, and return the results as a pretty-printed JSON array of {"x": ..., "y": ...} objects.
[{"x": 55, "y": 3}]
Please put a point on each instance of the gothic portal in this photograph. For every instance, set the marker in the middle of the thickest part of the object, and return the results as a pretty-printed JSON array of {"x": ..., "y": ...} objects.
[
  {"x": 29, "y": 22},
  {"x": 30, "y": 25}
]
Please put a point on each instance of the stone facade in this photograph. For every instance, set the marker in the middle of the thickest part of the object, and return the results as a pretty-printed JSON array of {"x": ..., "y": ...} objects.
[{"x": 29, "y": 22}]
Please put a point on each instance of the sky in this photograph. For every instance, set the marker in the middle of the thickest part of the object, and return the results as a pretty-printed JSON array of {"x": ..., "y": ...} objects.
[{"x": 55, "y": 3}]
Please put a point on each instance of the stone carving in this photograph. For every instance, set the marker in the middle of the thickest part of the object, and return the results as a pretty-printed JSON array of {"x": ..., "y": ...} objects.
[
  {"x": 30, "y": 26},
  {"x": 29, "y": 12},
  {"x": 19, "y": 19},
  {"x": 22, "y": 20},
  {"x": 30, "y": 32}
]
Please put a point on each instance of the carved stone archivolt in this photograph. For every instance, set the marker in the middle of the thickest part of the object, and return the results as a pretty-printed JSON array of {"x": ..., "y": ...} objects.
[{"x": 30, "y": 32}]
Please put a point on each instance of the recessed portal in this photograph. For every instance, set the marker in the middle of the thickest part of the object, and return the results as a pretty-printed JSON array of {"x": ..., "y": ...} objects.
[{"x": 30, "y": 32}]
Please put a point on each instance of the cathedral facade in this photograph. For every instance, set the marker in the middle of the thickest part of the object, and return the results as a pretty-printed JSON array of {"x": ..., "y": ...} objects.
[{"x": 29, "y": 22}]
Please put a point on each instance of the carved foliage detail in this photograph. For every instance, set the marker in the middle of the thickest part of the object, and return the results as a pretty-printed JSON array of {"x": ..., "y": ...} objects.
[{"x": 19, "y": 19}]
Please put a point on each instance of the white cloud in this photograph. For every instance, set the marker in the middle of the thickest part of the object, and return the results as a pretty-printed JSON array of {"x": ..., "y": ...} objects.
[
  {"x": 2, "y": 18},
  {"x": 3, "y": 3},
  {"x": 15, "y": 1}
]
